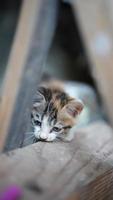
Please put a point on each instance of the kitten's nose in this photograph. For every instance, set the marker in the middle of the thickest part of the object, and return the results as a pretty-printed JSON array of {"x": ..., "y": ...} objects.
[{"x": 43, "y": 137}]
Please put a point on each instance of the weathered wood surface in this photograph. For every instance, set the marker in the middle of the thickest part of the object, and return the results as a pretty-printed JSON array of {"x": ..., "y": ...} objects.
[
  {"x": 27, "y": 59},
  {"x": 95, "y": 20},
  {"x": 55, "y": 170},
  {"x": 99, "y": 189}
]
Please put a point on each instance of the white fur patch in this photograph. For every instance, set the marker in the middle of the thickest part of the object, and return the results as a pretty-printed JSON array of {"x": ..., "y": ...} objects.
[
  {"x": 45, "y": 129},
  {"x": 37, "y": 131},
  {"x": 43, "y": 132}
]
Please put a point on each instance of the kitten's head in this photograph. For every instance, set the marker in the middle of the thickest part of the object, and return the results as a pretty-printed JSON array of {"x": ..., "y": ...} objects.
[{"x": 53, "y": 114}]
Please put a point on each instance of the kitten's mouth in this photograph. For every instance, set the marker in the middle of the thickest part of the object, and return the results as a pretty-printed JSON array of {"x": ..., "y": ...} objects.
[
  {"x": 43, "y": 140},
  {"x": 39, "y": 140}
]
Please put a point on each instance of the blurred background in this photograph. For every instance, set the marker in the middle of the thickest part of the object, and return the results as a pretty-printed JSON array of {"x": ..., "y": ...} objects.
[
  {"x": 9, "y": 13},
  {"x": 62, "y": 46},
  {"x": 66, "y": 58}
]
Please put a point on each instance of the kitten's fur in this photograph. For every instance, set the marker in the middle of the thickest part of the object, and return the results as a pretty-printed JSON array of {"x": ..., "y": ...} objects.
[{"x": 54, "y": 113}]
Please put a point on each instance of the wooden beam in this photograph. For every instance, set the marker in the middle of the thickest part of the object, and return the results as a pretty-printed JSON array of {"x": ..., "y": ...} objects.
[
  {"x": 95, "y": 20},
  {"x": 16, "y": 65},
  {"x": 31, "y": 43},
  {"x": 55, "y": 170}
]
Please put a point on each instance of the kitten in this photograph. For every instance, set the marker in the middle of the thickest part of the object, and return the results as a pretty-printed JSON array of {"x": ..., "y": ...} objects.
[{"x": 54, "y": 113}]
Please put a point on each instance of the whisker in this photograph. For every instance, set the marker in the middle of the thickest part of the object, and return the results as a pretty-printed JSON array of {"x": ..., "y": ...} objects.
[
  {"x": 35, "y": 140},
  {"x": 28, "y": 133},
  {"x": 30, "y": 137}
]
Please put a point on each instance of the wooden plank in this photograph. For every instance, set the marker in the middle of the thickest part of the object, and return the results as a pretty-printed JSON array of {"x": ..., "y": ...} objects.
[
  {"x": 95, "y": 20},
  {"x": 16, "y": 64},
  {"x": 25, "y": 66},
  {"x": 55, "y": 170}
]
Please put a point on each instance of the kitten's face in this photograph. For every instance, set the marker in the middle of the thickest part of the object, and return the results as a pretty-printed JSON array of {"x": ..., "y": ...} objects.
[{"x": 53, "y": 114}]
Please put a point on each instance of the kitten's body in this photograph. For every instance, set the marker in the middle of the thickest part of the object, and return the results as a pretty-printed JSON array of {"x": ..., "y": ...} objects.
[{"x": 54, "y": 112}]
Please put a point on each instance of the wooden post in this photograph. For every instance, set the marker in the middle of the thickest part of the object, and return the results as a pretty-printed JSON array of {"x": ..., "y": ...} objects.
[
  {"x": 95, "y": 20},
  {"x": 16, "y": 65},
  {"x": 31, "y": 43}
]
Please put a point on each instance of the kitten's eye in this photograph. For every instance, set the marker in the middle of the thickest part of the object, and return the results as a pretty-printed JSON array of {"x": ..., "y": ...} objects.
[
  {"x": 56, "y": 129},
  {"x": 37, "y": 123}
]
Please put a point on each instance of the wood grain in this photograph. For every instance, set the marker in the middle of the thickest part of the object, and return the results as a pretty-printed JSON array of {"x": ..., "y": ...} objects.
[{"x": 99, "y": 189}]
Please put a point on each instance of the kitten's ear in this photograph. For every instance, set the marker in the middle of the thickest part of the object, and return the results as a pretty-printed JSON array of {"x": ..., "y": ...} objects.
[
  {"x": 74, "y": 107},
  {"x": 39, "y": 97}
]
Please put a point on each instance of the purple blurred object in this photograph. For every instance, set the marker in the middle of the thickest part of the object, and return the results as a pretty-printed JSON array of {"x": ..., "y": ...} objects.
[{"x": 11, "y": 193}]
